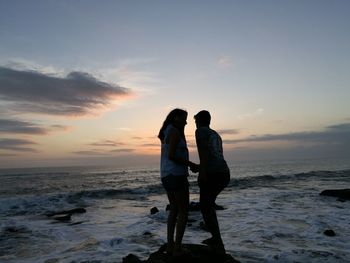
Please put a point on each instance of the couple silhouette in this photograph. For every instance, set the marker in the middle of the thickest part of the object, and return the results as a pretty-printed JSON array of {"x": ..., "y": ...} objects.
[{"x": 213, "y": 176}]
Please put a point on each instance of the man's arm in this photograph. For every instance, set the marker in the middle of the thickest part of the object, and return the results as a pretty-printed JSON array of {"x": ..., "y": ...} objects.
[{"x": 203, "y": 152}]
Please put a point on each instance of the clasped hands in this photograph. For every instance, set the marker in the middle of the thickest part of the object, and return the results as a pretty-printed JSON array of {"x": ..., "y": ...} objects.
[{"x": 194, "y": 167}]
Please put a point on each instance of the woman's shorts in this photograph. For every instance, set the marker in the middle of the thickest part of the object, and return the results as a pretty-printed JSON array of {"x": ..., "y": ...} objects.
[{"x": 175, "y": 183}]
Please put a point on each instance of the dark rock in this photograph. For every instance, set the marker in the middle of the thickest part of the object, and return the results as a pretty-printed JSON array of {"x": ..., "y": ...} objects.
[
  {"x": 154, "y": 210},
  {"x": 68, "y": 212},
  {"x": 147, "y": 233},
  {"x": 167, "y": 208},
  {"x": 194, "y": 206},
  {"x": 11, "y": 229},
  {"x": 131, "y": 259},
  {"x": 340, "y": 193},
  {"x": 14, "y": 230},
  {"x": 198, "y": 254},
  {"x": 219, "y": 207},
  {"x": 63, "y": 218},
  {"x": 329, "y": 232}
]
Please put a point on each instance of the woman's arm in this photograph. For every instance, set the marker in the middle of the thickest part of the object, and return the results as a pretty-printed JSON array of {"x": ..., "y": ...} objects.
[{"x": 174, "y": 139}]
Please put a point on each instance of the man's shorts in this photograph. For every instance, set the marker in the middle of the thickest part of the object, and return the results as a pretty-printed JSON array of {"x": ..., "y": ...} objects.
[{"x": 216, "y": 181}]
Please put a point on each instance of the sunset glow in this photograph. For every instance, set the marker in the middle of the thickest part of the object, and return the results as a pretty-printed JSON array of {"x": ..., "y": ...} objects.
[{"x": 90, "y": 83}]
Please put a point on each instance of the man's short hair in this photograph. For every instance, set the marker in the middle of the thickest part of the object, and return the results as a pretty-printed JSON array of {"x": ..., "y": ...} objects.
[{"x": 203, "y": 117}]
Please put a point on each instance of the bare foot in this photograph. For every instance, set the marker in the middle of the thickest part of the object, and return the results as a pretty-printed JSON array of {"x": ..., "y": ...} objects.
[
  {"x": 170, "y": 248},
  {"x": 209, "y": 241}
]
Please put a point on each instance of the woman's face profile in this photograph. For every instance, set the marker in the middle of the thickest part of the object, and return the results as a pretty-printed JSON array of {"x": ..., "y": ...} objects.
[{"x": 181, "y": 120}]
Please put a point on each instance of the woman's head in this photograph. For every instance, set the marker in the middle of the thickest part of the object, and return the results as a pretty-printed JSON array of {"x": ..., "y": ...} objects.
[{"x": 176, "y": 117}]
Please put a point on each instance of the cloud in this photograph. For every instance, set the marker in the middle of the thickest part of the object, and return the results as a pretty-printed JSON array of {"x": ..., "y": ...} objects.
[
  {"x": 250, "y": 115},
  {"x": 17, "y": 145},
  {"x": 57, "y": 127},
  {"x": 126, "y": 129},
  {"x": 108, "y": 143},
  {"x": 343, "y": 127},
  {"x": 126, "y": 150},
  {"x": 77, "y": 94},
  {"x": 150, "y": 145},
  {"x": 8, "y": 154},
  {"x": 335, "y": 134},
  {"x": 98, "y": 152},
  {"x": 8, "y": 126},
  {"x": 21, "y": 127},
  {"x": 228, "y": 131},
  {"x": 91, "y": 152},
  {"x": 225, "y": 61}
]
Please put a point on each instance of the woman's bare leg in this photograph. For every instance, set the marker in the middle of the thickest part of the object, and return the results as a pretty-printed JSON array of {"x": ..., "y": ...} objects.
[
  {"x": 171, "y": 222},
  {"x": 182, "y": 202}
]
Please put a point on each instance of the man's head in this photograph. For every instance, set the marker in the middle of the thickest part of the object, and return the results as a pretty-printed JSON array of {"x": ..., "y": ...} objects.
[{"x": 202, "y": 118}]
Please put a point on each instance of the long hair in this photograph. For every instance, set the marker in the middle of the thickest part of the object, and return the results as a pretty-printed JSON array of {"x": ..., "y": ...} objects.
[{"x": 170, "y": 119}]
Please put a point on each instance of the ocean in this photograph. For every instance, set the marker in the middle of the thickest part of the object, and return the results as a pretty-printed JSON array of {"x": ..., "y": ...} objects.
[{"x": 273, "y": 213}]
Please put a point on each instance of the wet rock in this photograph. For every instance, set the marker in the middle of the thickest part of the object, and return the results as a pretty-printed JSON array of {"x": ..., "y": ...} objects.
[
  {"x": 62, "y": 218},
  {"x": 14, "y": 230},
  {"x": 219, "y": 207},
  {"x": 66, "y": 215},
  {"x": 68, "y": 212},
  {"x": 131, "y": 259},
  {"x": 154, "y": 210},
  {"x": 343, "y": 194},
  {"x": 198, "y": 254},
  {"x": 11, "y": 229},
  {"x": 194, "y": 206},
  {"x": 329, "y": 232}
]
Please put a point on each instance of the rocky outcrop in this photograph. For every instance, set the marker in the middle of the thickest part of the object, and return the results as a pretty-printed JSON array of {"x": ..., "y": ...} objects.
[
  {"x": 329, "y": 232},
  {"x": 340, "y": 193},
  {"x": 67, "y": 212},
  {"x": 65, "y": 216},
  {"x": 154, "y": 210},
  {"x": 197, "y": 254}
]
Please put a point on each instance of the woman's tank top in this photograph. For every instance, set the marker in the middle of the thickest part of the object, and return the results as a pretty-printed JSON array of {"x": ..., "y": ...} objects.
[{"x": 169, "y": 167}]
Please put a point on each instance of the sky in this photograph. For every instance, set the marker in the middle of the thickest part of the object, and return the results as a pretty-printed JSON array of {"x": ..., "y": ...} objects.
[{"x": 89, "y": 82}]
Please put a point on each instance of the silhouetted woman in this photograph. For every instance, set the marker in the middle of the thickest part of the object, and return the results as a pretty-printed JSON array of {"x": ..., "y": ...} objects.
[{"x": 174, "y": 172}]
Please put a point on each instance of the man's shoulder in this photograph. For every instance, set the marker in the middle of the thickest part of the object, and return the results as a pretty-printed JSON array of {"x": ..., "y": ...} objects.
[
  {"x": 203, "y": 132},
  {"x": 203, "y": 129}
]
